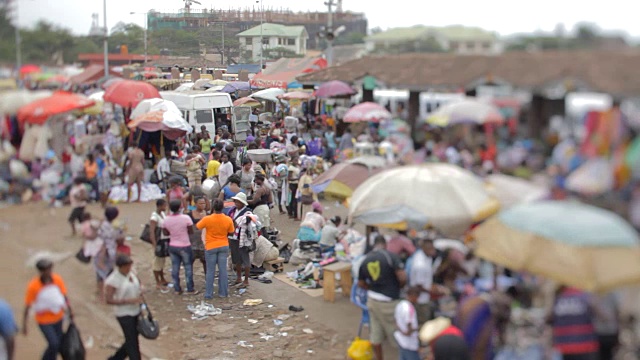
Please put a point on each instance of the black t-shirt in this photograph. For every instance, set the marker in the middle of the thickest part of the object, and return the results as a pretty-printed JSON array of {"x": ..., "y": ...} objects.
[{"x": 378, "y": 270}]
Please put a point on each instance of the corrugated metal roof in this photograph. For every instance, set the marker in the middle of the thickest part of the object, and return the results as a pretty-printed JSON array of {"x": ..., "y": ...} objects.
[{"x": 269, "y": 29}]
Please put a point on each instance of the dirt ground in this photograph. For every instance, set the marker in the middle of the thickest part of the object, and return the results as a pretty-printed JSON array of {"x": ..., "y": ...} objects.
[{"x": 30, "y": 228}]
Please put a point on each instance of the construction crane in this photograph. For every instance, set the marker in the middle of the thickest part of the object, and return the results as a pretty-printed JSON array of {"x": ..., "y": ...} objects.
[{"x": 188, "y": 3}]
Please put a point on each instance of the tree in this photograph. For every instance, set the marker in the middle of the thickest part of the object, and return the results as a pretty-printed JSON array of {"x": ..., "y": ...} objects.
[
  {"x": 7, "y": 36},
  {"x": 130, "y": 35},
  {"x": 279, "y": 52},
  {"x": 350, "y": 39},
  {"x": 46, "y": 43}
]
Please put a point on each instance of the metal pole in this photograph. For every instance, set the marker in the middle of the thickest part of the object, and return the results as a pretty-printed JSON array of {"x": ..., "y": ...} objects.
[
  {"x": 18, "y": 39},
  {"x": 223, "y": 50},
  {"x": 106, "y": 41},
  {"x": 146, "y": 28},
  {"x": 261, "y": 33},
  {"x": 330, "y": 30}
]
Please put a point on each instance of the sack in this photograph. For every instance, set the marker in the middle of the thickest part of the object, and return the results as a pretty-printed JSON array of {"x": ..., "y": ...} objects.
[
  {"x": 146, "y": 233},
  {"x": 162, "y": 248},
  {"x": 306, "y": 199},
  {"x": 82, "y": 257},
  {"x": 72, "y": 347},
  {"x": 360, "y": 350},
  {"x": 154, "y": 178},
  {"x": 147, "y": 326}
]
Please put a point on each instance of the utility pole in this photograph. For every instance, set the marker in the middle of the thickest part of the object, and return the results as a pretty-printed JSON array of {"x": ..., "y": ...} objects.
[
  {"x": 329, "y": 32},
  {"x": 261, "y": 34},
  {"x": 18, "y": 39},
  {"x": 106, "y": 41},
  {"x": 223, "y": 50}
]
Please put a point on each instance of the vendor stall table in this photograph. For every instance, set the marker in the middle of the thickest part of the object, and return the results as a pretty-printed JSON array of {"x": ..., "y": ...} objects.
[{"x": 344, "y": 269}]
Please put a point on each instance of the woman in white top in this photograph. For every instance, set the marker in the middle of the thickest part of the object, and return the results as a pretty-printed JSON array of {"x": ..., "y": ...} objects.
[
  {"x": 157, "y": 221},
  {"x": 122, "y": 289},
  {"x": 225, "y": 170}
]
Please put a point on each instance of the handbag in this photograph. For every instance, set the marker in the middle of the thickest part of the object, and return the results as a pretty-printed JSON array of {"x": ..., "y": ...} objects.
[
  {"x": 162, "y": 248},
  {"x": 306, "y": 199},
  {"x": 146, "y": 233},
  {"x": 82, "y": 257},
  {"x": 147, "y": 326},
  {"x": 71, "y": 347}
]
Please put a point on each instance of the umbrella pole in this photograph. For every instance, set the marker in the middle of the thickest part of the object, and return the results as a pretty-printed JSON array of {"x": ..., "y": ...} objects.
[{"x": 162, "y": 152}]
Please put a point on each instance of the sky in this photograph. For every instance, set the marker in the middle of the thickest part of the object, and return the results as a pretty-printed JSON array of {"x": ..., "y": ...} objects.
[{"x": 502, "y": 16}]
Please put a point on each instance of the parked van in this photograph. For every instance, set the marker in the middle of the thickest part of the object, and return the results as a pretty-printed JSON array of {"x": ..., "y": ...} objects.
[
  {"x": 397, "y": 100},
  {"x": 210, "y": 109}
]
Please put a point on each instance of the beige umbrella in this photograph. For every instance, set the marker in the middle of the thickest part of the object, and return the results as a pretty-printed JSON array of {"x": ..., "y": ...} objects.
[
  {"x": 11, "y": 101},
  {"x": 511, "y": 190},
  {"x": 442, "y": 195}
]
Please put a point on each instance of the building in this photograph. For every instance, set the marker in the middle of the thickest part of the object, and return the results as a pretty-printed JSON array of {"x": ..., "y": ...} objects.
[
  {"x": 86, "y": 59},
  {"x": 235, "y": 21},
  {"x": 457, "y": 39},
  {"x": 274, "y": 36}
]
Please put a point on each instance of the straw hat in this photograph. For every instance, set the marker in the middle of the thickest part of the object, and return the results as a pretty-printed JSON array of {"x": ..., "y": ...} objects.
[{"x": 432, "y": 329}]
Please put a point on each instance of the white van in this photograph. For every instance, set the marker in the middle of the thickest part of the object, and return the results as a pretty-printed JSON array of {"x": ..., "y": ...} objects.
[
  {"x": 394, "y": 99},
  {"x": 199, "y": 108}
]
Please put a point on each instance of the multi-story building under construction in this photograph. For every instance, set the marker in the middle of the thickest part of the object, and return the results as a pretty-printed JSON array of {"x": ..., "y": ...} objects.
[{"x": 236, "y": 21}]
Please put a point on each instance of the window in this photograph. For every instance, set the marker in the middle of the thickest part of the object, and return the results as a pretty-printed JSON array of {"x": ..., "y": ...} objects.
[
  {"x": 204, "y": 116},
  {"x": 291, "y": 41},
  {"x": 265, "y": 41}
]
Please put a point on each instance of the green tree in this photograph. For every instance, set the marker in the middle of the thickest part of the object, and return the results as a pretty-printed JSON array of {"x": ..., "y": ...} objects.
[
  {"x": 7, "y": 36},
  {"x": 46, "y": 43},
  {"x": 130, "y": 35},
  {"x": 280, "y": 52},
  {"x": 350, "y": 39}
]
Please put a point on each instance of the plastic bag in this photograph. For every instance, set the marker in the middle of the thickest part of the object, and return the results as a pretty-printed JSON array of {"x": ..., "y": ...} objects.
[
  {"x": 72, "y": 347},
  {"x": 360, "y": 350}
]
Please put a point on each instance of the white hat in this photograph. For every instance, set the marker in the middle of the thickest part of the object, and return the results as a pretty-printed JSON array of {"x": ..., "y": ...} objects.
[
  {"x": 242, "y": 197},
  {"x": 431, "y": 329}
]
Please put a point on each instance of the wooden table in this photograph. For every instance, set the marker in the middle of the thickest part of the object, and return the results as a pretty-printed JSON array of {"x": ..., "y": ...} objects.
[{"x": 329, "y": 287}]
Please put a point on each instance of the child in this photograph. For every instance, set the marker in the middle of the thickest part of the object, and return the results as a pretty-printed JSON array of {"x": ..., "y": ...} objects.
[
  {"x": 78, "y": 197},
  {"x": 407, "y": 324},
  {"x": 122, "y": 248}
]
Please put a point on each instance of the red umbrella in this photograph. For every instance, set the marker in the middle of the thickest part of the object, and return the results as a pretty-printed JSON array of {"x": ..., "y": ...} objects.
[
  {"x": 367, "y": 111},
  {"x": 129, "y": 93},
  {"x": 60, "y": 102},
  {"x": 300, "y": 95},
  {"x": 110, "y": 81},
  {"x": 334, "y": 88},
  {"x": 29, "y": 69}
]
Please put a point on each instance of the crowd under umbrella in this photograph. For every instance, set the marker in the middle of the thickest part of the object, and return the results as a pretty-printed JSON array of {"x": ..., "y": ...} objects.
[
  {"x": 445, "y": 196},
  {"x": 12, "y": 101},
  {"x": 593, "y": 178},
  {"x": 343, "y": 178},
  {"x": 569, "y": 242},
  {"x": 466, "y": 111},
  {"x": 129, "y": 93},
  {"x": 153, "y": 115},
  {"x": 367, "y": 112},
  {"x": 334, "y": 88},
  {"x": 60, "y": 102}
]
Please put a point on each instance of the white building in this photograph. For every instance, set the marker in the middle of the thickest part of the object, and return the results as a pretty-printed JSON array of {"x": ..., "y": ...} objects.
[{"x": 274, "y": 36}]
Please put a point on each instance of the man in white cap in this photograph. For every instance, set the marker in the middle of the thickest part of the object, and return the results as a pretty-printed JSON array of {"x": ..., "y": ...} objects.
[{"x": 240, "y": 254}]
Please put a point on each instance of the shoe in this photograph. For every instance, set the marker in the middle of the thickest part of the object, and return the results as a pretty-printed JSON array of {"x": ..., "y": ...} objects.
[
  {"x": 195, "y": 292},
  {"x": 296, "y": 308}
]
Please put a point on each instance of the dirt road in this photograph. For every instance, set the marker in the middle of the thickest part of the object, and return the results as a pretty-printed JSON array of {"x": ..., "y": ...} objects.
[{"x": 322, "y": 331}]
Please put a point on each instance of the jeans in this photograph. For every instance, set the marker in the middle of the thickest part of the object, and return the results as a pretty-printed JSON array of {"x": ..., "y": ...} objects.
[
  {"x": 293, "y": 202},
  {"x": 217, "y": 257},
  {"x": 181, "y": 256},
  {"x": 53, "y": 333},
  {"x": 131, "y": 347},
  {"x": 409, "y": 354}
]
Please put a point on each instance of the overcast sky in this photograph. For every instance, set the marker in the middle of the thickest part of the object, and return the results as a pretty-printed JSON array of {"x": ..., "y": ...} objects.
[{"x": 505, "y": 17}]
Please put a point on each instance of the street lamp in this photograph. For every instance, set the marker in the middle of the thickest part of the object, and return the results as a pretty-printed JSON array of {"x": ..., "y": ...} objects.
[
  {"x": 261, "y": 32},
  {"x": 18, "y": 40},
  {"x": 146, "y": 26},
  {"x": 106, "y": 41}
]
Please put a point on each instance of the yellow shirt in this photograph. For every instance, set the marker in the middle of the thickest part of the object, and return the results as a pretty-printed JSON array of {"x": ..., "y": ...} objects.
[{"x": 212, "y": 168}]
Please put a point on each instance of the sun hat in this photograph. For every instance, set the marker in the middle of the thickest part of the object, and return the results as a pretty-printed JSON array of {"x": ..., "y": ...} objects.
[
  {"x": 433, "y": 328},
  {"x": 242, "y": 197},
  {"x": 44, "y": 264}
]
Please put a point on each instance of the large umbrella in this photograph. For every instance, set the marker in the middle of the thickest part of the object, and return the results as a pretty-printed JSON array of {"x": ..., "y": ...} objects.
[
  {"x": 185, "y": 87},
  {"x": 298, "y": 95},
  {"x": 334, "y": 88},
  {"x": 29, "y": 69},
  {"x": 443, "y": 195},
  {"x": 129, "y": 93},
  {"x": 247, "y": 101},
  {"x": 159, "y": 115},
  {"x": 217, "y": 82},
  {"x": 466, "y": 111},
  {"x": 595, "y": 177},
  {"x": 12, "y": 101},
  {"x": 343, "y": 178},
  {"x": 107, "y": 82},
  {"x": 60, "y": 102},
  {"x": 268, "y": 94},
  {"x": 572, "y": 243},
  {"x": 511, "y": 190},
  {"x": 367, "y": 111},
  {"x": 234, "y": 86}
]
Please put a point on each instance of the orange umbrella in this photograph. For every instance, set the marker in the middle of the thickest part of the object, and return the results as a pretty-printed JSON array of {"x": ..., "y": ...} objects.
[
  {"x": 129, "y": 93},
  {"x": 247, "y": 101},
  {"x": 60, "y": 102}
]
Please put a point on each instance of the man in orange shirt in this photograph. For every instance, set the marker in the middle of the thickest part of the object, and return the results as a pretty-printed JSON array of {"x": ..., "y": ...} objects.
[
  {"x": 47, "y": 295},
  {"x": 217, "y": 227}
]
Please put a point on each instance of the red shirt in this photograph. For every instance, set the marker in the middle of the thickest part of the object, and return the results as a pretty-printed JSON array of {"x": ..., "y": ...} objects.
[{"x": 123, "y": 249}]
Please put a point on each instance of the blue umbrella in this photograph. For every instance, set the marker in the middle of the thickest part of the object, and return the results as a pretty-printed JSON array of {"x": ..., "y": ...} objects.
[{"x": 234, "y": 86}]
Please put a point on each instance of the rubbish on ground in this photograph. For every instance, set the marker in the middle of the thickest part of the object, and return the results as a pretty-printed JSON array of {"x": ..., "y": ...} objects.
[
  {"x": 270, "y": 306},
  {"x": 309, "y": 351},
  {"x": 307, "y": 331},
  {"x": 283, "y": 317},
  {"x": 266, "y": 337},
  {"x": 242, "y": 291},
  {"x": 203, "y": 311},
  {"x": 252, "y": 321},
  {"x": 284, "y": 334},
  {"x": 277, "y": 322},
  {"x": 89, "y": 343},
  {"x": 296, "y": 308},
  {"x": 244, "y": 344},
  {"x": 228, "y": 352},
  {"x": 268, "y": 275},
  {"x": 287, "y": 328},
  {"x": 252, "y": 302}
]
